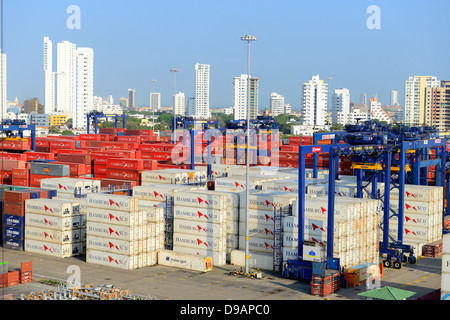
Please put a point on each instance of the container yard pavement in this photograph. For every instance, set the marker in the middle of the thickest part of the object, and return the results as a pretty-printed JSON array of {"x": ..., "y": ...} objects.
[{"x": 165, "y": 283}]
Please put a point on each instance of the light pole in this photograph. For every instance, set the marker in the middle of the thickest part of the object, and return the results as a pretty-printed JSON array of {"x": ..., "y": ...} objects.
[
  {"x": 174, "y": 70},
  {"x": 249, "y": 39}
]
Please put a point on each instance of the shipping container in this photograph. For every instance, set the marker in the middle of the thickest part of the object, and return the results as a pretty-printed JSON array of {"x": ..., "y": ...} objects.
[
  {"x": 52, "y": 207},
  {"x": 184, "y": 261},
  {"x": 53, "y": 249},
  {"x": 109, "y": 259},
  {"x": 113, "y": 202},
  {"x": 52, "y": 222},
  {"x": 52, "y": 235},
  {"x": 124, "y": 218}
]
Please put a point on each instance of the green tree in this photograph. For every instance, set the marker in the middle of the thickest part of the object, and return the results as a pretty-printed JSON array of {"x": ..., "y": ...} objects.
[{"x": 67, "y": 133}]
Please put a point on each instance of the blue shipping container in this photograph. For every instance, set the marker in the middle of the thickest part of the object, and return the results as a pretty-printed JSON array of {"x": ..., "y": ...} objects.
[
  {"x": 13, "y": 221},
  {"x": 14, "y": 232}
]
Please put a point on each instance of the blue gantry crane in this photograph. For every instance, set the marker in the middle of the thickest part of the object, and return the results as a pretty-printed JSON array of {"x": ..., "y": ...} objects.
[
  {"x": 94, "y": 116},
  {"x": 379, "y": 153}
]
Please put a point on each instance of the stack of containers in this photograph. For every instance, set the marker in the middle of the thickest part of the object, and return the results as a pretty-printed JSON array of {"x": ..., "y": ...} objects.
[
  {"x": 355, "y": 232},
  {"x": 8, "y": 166},
  {"x": 21, "y": 177},
  {"x": 118, "y": 233},
  {"x": 199, "y": 225},
  {"x": 53, "y": 227},
  {"x": 125, "y": 169},
  {"x": 263, "y": 209},
  {"x": 445, "y": 271},
  {"x": 13, "y": 217},
  {"x": 422, "y": 222},
  {"x": 44, "y": 170},
  {"x": 80, "y": 164},
  {"x": 156, "y": 199}
]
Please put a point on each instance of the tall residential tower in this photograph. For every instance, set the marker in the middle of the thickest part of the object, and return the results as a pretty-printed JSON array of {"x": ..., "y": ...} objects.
[
  {"x": 314, "y": 102},
  {"x": 202, "y": 75}
]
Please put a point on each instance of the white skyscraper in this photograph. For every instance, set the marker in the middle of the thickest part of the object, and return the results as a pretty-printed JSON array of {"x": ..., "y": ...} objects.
[
  {"x": 276, "y": 104},
  {"x": 202, "y": 73},
  {"x": 49, "y": 77},
  {"x": 85, "y": 86},
  {"x": 241, "y": 96},
  {"x": 340, "y": 106},
  {"x": 394, "y": 98},
  {"x": 414, "y": 109},
  {"x": 66, "y": 64},
  {"x": 3, "y": 81},
  {"x": 314, "y": 102},
  {"x": 179, "y": 104},
  {"x": 155, "y": 101}
]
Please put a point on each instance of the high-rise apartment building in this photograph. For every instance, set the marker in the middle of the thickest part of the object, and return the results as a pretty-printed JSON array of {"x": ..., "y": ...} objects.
[
  {"x": 340, "y": 106},
  {"x": 437, "y": 106},
  {"x": 314, "y": 102},
  {"x": 245, "y": 94},
  {"x": 49, "y": 77},
  {"x": 363, "y": 98},
  {"x": 74, "y": 81},
  {"x": 33, "y": 105},
  {"x": 66, "y": 64},
  {"x": 155, "y": 101},
  {"x": 202, "y": 77},
  {"x": 394, "y": 98},
  {"x": 85, "y": 86},
  {"x": 132, "y": 98},
  {"x": 179, "y": 104},
  {"x": 276, "y": 104},
  {"x": 414, "y": 109}
]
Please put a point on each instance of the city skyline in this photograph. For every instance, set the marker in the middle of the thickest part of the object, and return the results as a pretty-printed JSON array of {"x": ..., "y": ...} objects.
[{"x": 364, "y": 68}]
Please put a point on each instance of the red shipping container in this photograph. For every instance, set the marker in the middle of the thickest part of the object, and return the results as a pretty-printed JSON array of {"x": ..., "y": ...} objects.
[
  {"x": 127, "y": 153},
  {"x": 101, "y": 169},
  {"x": 126, "y": 164},
  {"x": 13, "y": 156},
  {"x": 39, "y": 156},
  {"x": 71, "y": 151},
  {"x": 100, "y": 176},
  {"x": 62, "y": 144},
  {"x": 150, "y": 164},
  {"x": 123, "y": 174},
  {"x": 16, "y": 196},
  {"x": 20, "y": 182},
  {"x": 42, "y": 149},
  {"x": 35, "y": 179},
  {"x": 89, "y": 137},
  {"x": 130, "y": 138},
  {"x": 116, "y": 154},
  {"x": 42, "y": 142},
  {"x": 6, "y": 176},
  {"x": 75, "y": 158},
  {"x": 288, "y": 155},
  {"x": 290, "y": 148},
  {"x": 19, "y": 173},
  {"x": 13, "y": 208},
  {"x": 100, "y": 160},
  {"x": 156, "y": 155},
  {"x": 151, "y": 147},
  {"x": 15, "y": 144},
  {"x": 9, "y": 165}
]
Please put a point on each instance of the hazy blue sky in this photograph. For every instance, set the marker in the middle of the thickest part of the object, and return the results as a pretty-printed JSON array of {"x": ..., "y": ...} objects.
[{"x": 136, "y": 41}]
